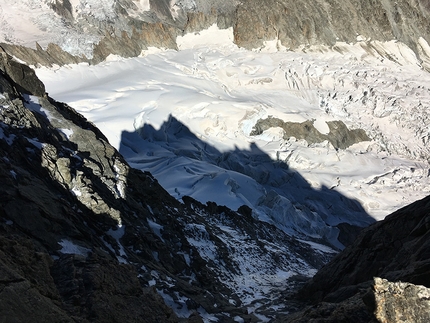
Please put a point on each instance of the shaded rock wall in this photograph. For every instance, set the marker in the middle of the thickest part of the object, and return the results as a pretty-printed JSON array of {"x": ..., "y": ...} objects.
[{"x": 339, "y": 136}]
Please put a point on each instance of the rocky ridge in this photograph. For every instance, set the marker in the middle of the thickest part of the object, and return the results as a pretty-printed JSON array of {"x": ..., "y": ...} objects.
[
  {"x": 93, "y": 30},
  {"x": 381, "y": 277}
]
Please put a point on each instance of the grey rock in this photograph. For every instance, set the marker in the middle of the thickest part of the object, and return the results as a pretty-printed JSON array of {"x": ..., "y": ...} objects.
[
  {"x": 401, "y": 302},
  {"x": 339, "y": 136}
]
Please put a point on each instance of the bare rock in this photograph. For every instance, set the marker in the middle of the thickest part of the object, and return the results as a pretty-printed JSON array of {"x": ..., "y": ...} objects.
[
  {"x": 127, "y": 31},
  {"x": 24, "y": 77},
  {"x": 401, "y": 302}
]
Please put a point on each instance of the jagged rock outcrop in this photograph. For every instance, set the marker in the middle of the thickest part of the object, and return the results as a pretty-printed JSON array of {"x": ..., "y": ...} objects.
[{"x": 396, "y": 250}]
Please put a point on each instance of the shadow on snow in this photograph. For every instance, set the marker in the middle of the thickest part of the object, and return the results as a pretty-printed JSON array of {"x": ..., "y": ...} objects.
[{"x": 187, "y": 166}]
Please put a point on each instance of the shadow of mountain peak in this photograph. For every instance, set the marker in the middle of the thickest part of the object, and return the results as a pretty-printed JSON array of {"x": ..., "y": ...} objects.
[{"x": 185, "y": 165}]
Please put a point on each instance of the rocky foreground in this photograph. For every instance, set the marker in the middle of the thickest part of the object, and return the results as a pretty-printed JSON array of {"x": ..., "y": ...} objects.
[{"x": 382, "y": 277}]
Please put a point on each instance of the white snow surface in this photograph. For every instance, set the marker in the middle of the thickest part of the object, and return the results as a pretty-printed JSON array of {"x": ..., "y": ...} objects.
[{"x": 186, "y": 116}]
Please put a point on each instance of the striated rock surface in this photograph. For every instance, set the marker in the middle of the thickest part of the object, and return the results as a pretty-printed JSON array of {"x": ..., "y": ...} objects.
[{"x": 325, "y": 22}]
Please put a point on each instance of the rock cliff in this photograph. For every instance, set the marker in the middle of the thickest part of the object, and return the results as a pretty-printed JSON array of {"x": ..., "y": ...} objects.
[{"x": 124, "y": 27}]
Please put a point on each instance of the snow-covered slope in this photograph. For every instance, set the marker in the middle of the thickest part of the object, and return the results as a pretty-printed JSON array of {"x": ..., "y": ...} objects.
[{"x": 187, "y": 116}]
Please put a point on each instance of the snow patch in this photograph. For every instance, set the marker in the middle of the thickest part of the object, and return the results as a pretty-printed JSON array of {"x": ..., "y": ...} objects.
[
  {"x": 117, "y": 235},
  {"x": 156, "y": 228},
  {"x": 68, "y": 247},
  {"x": 67, "y": 132}
]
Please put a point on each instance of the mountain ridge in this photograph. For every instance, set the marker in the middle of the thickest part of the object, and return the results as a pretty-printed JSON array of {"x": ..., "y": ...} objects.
[
  {"x": 373, "y": 275},
  {"x": 125, "y": 29}
]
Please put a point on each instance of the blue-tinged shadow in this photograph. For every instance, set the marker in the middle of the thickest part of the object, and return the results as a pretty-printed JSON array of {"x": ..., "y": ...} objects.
[{"x": 187, "y": 166}]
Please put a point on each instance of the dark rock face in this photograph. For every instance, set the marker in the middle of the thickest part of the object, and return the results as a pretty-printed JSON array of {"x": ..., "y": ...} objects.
[
  {"x": 401, "y": 302},
  {"x": 395, "y": 249},
  {"x": 22, "y": 75}
]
